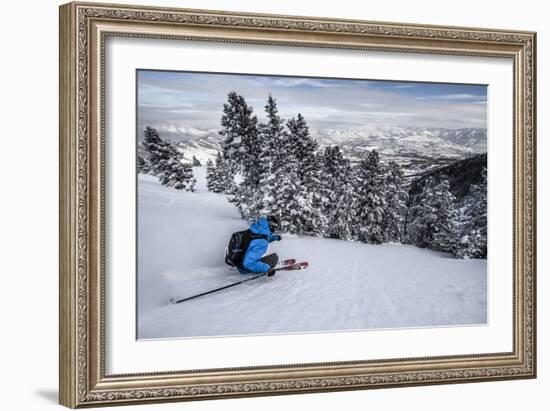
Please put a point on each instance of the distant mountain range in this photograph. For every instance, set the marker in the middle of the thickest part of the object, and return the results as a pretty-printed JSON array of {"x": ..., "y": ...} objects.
[{"x": 416, "y": 149}]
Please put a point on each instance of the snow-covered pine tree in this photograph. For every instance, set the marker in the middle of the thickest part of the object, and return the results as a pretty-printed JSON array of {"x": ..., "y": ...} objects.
[
  {"x": 231, "y": 145},
  {"x": 241, "y": 153},
  {"x": 166, "y": 162},
  {"x": 396, "y": 203},
  {"x": 196, "y": 162},
  {"x": 217, "y": 176},
  {"x": 463, "y": 246},
  {"x": 302, "y": 147},
  {"x": 156, "y": 148},
  {"x": 282, "y": 192},
  {"x": 177, "y": 174},
  {"x": 337, "y": 193},
  {"x": 210, "y": 175},
  {"x": 370, "y": 204},
  {"x": 420, "y": 217},
  {"x": 273, "y": 139},
  {"x": 432, "y": 217},
  {"x": 444, "y": 229},
  {"x": 273, "y": 145},
  {"x": 240, "y": 131},
  {"x": 470, "y": 225},
  {"x": 142, "y": 165},
  {"x": 344, "y": 213},
  {"x": 287, "y": 199}
]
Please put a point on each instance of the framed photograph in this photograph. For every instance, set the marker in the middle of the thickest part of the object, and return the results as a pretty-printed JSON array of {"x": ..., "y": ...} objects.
[{"x": 260, "y": 205}]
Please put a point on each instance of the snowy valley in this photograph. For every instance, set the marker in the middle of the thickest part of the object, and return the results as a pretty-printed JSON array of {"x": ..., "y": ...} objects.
[{"x": 416, "y": 149}]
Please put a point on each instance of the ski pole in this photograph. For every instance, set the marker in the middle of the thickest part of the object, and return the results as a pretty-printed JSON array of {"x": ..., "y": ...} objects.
[{"x": 223, "y": 288}]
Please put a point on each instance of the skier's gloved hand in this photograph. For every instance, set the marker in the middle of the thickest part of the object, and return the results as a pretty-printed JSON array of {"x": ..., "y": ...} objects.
[
  {"x": 270, "y": 272},
  {"x": 277, "y": 237}
]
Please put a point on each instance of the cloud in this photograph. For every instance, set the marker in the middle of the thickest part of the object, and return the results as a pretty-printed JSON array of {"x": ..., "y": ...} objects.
[
  {"x": 195, "y": 101},
  {"x": 404, "y": 86},
  {"x": 295, "y": 82},
  {"x": 462, "y": 96}
]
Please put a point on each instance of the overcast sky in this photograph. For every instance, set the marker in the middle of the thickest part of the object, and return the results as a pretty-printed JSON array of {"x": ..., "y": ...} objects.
[{"x": 183, "y": 100}]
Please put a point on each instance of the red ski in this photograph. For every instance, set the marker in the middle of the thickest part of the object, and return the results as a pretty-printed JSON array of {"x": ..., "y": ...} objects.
[
  {"x": 284, "y": 263},
  {"x": 295, "y": 266}
]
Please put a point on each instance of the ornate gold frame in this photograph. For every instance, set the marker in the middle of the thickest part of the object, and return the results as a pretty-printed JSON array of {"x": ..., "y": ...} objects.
[{"x": 83, "y": 30}]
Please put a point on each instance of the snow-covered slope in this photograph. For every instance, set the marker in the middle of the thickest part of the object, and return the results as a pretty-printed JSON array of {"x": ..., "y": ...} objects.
[
  {"x": 348, "y": 286},
  {"x": 202, "y": 148}
]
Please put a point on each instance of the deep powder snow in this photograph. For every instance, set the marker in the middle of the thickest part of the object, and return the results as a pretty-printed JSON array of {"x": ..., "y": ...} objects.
[{"x": 348, "y": 286}]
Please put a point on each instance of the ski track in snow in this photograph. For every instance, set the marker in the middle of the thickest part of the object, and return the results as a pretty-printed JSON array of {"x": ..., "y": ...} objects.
[{"x": 348, "y": 286}]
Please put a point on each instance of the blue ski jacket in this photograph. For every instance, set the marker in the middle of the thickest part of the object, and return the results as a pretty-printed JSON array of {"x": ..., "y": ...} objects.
[{"x": 257, "y": 248}]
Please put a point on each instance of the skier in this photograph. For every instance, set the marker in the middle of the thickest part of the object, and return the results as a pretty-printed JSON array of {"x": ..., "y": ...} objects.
[
  {"x": 254, "y": 261},
  {"x": 245, "y": 252}
]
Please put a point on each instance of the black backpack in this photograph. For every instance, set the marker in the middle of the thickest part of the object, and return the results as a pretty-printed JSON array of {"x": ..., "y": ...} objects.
[{"x": 238, "y": 244}]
